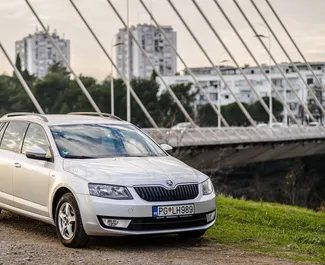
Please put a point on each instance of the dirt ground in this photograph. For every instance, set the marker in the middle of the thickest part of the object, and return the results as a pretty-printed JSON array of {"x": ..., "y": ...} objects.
[{"x": 24, "y": 241}]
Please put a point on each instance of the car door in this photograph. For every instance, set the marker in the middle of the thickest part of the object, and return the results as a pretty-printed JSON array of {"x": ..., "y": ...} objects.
[
  {"x": 30, "y": 176},
  {"x": 11, "y": 136}
]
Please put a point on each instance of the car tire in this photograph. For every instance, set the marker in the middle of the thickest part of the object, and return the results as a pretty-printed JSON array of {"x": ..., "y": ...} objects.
[
  {"x": 192, "y": 234},
  {"x": 68, "y": 223}
]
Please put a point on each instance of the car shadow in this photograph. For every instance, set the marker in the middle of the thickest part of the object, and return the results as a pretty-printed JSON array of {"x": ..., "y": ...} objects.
[
  {"x": 44, "y": 232},
  {"x": 148, "y": 242}
]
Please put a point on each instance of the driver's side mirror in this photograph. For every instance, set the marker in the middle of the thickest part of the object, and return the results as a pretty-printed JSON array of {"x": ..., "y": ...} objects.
[
  {"x": 167, "y": 148},
  {"x": 37, "y": 153}
]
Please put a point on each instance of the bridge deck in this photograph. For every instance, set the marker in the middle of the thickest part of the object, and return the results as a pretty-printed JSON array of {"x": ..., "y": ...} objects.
[{"x": 234, "y": 135}]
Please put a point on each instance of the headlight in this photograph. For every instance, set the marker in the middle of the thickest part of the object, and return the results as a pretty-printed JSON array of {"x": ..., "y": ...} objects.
[
  {"x": 109, "y": 191},
  {"x": 207, "y": 187}
]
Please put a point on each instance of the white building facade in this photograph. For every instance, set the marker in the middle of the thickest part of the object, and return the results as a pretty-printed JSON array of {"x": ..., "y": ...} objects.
[
  {"x": 37, "y": 52},
  {"x": 212, "y": 84},
  {"x": 155, "y": 45}
]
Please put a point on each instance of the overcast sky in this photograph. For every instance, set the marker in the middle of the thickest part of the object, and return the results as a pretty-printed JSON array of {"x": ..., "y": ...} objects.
[{"x": 305, "y": 20}]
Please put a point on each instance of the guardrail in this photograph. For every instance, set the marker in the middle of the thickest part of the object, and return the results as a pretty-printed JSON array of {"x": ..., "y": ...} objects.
[{"x": 233, "y": 135}]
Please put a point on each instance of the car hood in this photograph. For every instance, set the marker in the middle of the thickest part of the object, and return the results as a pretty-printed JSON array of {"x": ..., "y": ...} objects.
[{"x": 130, "y": 171}]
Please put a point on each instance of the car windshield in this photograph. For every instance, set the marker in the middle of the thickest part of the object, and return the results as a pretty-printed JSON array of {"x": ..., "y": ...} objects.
[{"x": 103, "y": 140}]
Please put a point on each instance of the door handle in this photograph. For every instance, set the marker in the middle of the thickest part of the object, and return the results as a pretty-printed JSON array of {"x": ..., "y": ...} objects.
[{"x": 17, "y": 165}]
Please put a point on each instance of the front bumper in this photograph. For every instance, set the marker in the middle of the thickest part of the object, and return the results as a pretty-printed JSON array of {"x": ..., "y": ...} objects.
[{"x": 139, "y": 211}]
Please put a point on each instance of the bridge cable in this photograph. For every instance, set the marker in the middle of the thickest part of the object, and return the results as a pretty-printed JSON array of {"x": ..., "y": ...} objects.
[
  {"x": 275, "y": 62},
  {"x": 266, "y": 108},
  {"x": 188, "y": 117},
  {"x": 81, "y": 85},
  {"x": 257, "y": 63},
  {"x": 216, "y": 110},
  {"x": 23, "y": 82},
  {"x": 296, "y": 46},
  {"x": 289, "y": 58},
  {"x": 217, "y": 69},
  {"x": 125, "y": 80}
]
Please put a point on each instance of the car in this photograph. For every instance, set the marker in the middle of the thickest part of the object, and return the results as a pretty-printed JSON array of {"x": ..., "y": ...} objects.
[
  {"x": 182, "y": 126},
  {"x": 314, "y": 124},
  {"x": 97, "y": 175},
  {"x": 262, "y": 125},
  {"x": 274, "y": 125},
  {"x": 277, "y": 125}
]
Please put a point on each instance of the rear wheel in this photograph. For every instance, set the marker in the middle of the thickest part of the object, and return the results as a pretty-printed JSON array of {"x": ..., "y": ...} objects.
[
  {"x": 192, "y": 234},
  {"x": 68, "y": 223}
]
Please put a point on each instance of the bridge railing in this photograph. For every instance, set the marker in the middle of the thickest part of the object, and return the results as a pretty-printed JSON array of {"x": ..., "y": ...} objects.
[{"x": 233, "y": 135}]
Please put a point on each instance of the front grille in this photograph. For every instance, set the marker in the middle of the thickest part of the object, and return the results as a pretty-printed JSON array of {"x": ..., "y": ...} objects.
[
  {"x": 147, "y": 224},
  {"x": 157, "y": 193}
]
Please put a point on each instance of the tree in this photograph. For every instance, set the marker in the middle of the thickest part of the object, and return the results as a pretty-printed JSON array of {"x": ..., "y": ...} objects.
[
  {"x": 147, "y": 91},
  {"x": 153, "y": 75},
  {"x": 207, "y": 116},
  {"x": 13, "y": 97},
  {"x": 169, "y": 111},
  {"x": 18, "y": 62},
  {"x": 58, "y": 67},
  {"x": 51, "y": 92},
  {"x": 234, "y": 115},
  {"x": 259, "y": 114}
]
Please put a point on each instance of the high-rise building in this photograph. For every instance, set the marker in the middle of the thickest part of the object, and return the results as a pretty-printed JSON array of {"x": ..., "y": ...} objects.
[
  {"x": 37, "y": 52},
  {"x": 155, "y": 45}
]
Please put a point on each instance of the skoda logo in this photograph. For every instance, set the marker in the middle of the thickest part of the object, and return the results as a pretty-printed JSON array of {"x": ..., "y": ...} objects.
[{"x": 169, "y": 183}]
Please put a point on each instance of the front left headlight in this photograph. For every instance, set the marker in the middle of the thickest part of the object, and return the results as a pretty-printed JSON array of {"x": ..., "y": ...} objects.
[
  {"x": 109, "y": 191},
  {"x": 207, "y": 187}
]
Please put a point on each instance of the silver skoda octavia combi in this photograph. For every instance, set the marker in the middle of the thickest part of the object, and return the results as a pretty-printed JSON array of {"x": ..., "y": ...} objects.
[{"x": 98, "y": 176}]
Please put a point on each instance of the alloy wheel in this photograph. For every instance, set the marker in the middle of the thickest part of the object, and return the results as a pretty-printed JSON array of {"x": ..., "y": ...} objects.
[{"x": 67, "y": 221}]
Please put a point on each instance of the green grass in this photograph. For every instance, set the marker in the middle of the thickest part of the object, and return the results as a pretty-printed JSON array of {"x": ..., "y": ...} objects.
[{"x": 278, "y": 230}]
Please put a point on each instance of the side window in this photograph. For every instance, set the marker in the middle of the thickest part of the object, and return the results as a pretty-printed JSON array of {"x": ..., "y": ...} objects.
[
  {"x": 13, "y": 136},
  {"x": 35, "y": 137}
]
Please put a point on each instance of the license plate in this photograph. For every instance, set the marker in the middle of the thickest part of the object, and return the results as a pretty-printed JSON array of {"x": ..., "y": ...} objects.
[{"x": 173, "y": 210}]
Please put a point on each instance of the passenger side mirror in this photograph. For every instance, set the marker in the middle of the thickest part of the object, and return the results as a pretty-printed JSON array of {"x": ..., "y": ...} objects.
[
  {"x": 167, "y": 148},
  {"x": 37, "y": 153}
]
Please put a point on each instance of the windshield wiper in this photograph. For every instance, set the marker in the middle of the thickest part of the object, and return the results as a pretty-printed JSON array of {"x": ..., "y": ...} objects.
[{"x": 79, "y": 157}]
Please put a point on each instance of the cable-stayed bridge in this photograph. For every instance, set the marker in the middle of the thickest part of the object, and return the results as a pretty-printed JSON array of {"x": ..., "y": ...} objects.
[{"x": 205, "y": 147}]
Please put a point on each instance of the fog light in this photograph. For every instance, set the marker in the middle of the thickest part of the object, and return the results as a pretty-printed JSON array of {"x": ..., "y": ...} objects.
[
  {"x": 211, "y": 216},
  {"x": 116, "y": 222}
]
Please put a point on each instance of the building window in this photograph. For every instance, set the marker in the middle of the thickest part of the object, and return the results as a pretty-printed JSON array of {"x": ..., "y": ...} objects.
[
  {"x": 310, "y": 81},
  {"x": 226, "y": 96},
  {"x": 293, "y": 106},
  {"x": 213, "y": 96}
]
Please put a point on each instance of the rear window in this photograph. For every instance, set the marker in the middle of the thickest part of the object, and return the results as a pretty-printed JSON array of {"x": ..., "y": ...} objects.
[{"x": 2, "y": 129}]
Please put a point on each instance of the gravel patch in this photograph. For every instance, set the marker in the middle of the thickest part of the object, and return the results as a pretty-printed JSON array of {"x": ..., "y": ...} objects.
[{"x": 25, "y": 241}]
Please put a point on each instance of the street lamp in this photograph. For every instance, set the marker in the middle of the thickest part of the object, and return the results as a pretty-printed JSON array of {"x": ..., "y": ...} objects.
[
  {"x": 219, "y": 96},
  {"x": 112, "y": 74},
  {"x": 270, "y": 93},
  {"x": 128, "y": 76}
]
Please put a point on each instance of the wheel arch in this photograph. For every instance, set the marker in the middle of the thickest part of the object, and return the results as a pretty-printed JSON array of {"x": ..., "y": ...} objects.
[{"x": 56, "y": 198}]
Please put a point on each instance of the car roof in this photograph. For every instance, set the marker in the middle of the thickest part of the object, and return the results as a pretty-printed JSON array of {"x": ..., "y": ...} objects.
[{"x": 62, "y": 119}]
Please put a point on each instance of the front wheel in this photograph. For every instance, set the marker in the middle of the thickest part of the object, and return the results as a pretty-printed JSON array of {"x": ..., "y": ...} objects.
[
  {"x": 68, "y": 223},
  {"x": 192, "y": 234}
]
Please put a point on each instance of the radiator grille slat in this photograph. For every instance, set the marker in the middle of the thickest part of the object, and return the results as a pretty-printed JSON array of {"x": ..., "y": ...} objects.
[{"x": 158, "y": 193}]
